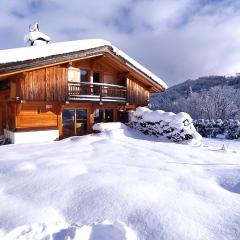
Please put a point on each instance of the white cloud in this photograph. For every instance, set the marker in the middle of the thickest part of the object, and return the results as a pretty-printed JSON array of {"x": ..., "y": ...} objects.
[{"x": 176, "y": 39}]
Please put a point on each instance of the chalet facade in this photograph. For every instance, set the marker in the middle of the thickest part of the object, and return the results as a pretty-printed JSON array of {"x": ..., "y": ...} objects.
[{"x": 61, "y": 89}]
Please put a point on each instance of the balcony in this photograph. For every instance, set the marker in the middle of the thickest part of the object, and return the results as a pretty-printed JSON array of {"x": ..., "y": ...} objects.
[{"x": 97, "y": 92}]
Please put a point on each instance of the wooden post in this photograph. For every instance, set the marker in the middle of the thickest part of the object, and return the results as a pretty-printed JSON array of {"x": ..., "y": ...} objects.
[
  {"x": 128, "y": 90},
  {"x": 13, "y": 90},
  {"x": 115, "y": 115},
  {"x": 90, "y": 119},
  {"x": 59, "y": 120},
  {"x": 75, "y": 122},
  {"x": 101, "y": 93},
  {"x": 91, "y": 76},
  {"x": 60, "y": 127}
]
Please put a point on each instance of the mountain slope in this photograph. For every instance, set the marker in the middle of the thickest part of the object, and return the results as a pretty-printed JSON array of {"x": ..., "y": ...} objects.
[{"x": 199, "y": 85}]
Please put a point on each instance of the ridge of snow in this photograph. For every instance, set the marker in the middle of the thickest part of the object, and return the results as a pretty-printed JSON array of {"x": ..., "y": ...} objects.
[
  {"x": 34, "y": 52},
  {"x": 108, "y": 126}
]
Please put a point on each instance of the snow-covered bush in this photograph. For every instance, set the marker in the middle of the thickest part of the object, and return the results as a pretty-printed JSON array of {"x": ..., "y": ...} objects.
[
  {"x": 229, "y": 129},
  {"x": 177, "y": 127}
]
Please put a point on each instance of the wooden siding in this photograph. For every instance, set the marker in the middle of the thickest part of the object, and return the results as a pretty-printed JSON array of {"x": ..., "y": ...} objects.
[
  {"x": 137, "y": 92},
  {"x": 32, "y": 115},
  {"x": 44, "y": 94},
  {"x": 4, "y": 95},
  {"x": 47, "y": 84}
]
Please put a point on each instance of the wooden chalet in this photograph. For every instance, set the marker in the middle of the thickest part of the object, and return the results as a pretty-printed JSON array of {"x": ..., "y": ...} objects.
[{"x": 61, "y": 89}]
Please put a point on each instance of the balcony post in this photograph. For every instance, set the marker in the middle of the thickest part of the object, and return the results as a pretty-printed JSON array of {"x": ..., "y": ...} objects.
[
  {"x": 100, "y": 91},
  {"x": 128, "y": 90}
]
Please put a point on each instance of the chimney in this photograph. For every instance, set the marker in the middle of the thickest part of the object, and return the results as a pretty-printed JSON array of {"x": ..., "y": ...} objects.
[{"x": 35, "y": 37}]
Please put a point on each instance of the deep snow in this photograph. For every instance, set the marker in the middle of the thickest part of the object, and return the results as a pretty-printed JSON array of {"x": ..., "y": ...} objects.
[{"x": 120, "y": 185}]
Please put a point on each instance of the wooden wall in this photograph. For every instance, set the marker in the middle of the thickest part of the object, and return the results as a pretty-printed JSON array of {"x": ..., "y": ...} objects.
[
  {"x": 33, "y": 116},
  {"x": 47, "y": 84},
  {"x": 137, "y": 92},
  {"x": 4, "y": 95}
]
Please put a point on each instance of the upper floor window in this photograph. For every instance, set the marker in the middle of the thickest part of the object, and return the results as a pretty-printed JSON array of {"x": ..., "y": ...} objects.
[
  {"x": 73, "y": 74},
  {"x": 83, "y": 75},
  {"x": 96, "y": 77},
  {"x": 77, "y": 75}
]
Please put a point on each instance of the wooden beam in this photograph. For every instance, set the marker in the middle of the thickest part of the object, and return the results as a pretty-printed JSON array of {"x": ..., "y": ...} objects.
[
  {"x": 95, "y": 61},
  {"x": 115, "y": 115},
  {"x": 59, "y": 120},
  {"x": 90, "y": 119},
  {"x": 13, "y": 90},
  {"x": 135, "y": 72},
  {"x": 123, "y": 74},
  {"x": 19, "y": 108}
]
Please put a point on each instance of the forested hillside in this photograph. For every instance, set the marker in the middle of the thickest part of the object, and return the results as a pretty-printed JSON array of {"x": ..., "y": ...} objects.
[{"x": 211, "y": 97}]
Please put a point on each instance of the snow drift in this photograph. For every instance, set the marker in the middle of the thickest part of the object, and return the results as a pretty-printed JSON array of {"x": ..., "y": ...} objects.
[
  {"x": 146, "y": 188},
  {"x": 103, "y": 127},
  {"x": 177, "y": 127},
  {"x": 60, "y": 231}
]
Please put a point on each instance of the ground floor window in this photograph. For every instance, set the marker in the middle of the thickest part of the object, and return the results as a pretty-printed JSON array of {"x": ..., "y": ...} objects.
[
  {"x": 103, "y": 115},
  {"x": 74, "y": 122},
  {"x": 123, "y": 117}
]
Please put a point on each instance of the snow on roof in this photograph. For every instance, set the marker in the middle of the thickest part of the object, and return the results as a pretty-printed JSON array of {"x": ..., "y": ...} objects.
[{"x": 35, "y": 52}]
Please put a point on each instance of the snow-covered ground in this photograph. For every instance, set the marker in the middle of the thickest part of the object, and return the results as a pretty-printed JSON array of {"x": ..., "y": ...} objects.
[{"x": 120, "y": 185}]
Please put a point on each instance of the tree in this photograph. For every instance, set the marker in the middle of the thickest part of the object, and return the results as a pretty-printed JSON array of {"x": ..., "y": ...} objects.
[{"x": 220, "y": 102}]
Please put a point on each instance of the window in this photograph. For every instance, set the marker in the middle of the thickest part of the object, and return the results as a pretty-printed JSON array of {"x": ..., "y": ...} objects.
[
  {"x": 77, "y": 75},
  {"x": 123, "y": 82},
  {"x": 4, "y": 85},
  {"x": 96, "y": 77},
  {"x": 103, "y": 115},
  {"x": 83, "y": 75},
  {"x": 73, "y": 74}
]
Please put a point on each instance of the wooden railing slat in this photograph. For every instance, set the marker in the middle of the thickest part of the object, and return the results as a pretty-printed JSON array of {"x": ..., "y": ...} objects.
[{"x": 103, "y": 91}]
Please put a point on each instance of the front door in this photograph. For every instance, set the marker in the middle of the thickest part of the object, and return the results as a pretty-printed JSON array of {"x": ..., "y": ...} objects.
[{"x": 74, "y": 122}]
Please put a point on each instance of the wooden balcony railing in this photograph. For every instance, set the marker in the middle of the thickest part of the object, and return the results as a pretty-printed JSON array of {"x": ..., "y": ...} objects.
[{"x": 96, "y": 92}]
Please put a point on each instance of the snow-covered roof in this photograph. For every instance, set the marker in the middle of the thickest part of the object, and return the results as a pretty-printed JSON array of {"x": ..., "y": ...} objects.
[{"x": 35, "y": 52}]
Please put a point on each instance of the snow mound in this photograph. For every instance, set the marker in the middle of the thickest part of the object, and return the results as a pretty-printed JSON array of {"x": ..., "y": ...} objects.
[
  {"x": 100, "y": 231},
  {"x": 107, "y": 231},
  {"x": 103, "y": 127},
  {"x": 177, "y": 127}
]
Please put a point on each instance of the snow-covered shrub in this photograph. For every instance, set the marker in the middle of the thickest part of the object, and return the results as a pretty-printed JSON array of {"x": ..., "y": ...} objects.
[
  {"x": 230, "y": 129},
  {"x": 177, "y": 127}
]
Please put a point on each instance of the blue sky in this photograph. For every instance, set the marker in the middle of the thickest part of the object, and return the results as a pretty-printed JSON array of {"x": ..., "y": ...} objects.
[{"x": 176, "y": 39}]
